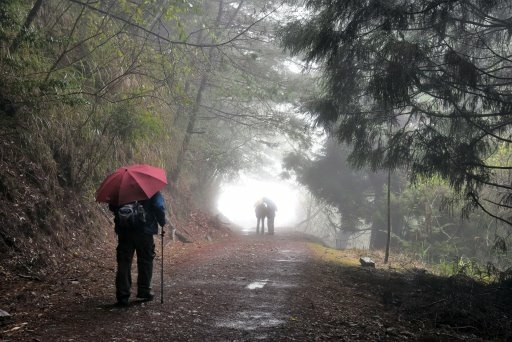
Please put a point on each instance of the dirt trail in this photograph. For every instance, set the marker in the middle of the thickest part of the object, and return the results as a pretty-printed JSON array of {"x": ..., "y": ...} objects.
[
  {"x": 230, "y": 290},
  {"x": 242, "y": 289}
]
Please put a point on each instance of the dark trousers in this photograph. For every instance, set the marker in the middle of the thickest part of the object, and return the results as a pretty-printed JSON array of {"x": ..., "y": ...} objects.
[
  {"x": 270, "y": 224},
  {"x": 262, "y": 221},
  {"x": 127, "y": 244}
]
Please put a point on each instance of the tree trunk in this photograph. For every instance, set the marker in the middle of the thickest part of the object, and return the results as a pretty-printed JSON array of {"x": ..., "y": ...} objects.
[
  {"x": 388, "y": 239},
  {"x": 378, "y": 235},
  {"x": 190, "y": 129},
  {"x": 308, "y": 213},
  {"x": 197, "y": 105}
]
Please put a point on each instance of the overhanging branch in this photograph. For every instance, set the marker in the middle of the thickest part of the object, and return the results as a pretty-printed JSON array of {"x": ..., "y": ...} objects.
[{"x": 175, "y": 42}]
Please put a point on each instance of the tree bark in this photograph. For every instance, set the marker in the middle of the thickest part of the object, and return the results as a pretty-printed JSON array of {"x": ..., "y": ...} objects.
[{"x": 388, "y": 239}]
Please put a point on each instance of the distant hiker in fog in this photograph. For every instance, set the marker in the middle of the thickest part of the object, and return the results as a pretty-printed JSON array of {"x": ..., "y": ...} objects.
[
  {"x": 261, "y": 211},
  {"x": 271, "y": 214},
  {"x": 265, "y": 208}
]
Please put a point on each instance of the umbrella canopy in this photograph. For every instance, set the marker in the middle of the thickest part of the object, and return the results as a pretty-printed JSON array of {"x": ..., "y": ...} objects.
[{"x": 131, "y": 183}]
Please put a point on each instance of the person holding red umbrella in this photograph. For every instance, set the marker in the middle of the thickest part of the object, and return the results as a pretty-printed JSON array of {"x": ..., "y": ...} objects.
[{"x": 133, "y": 195}]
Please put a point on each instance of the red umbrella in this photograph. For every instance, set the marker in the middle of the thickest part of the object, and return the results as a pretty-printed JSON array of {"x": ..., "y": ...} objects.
[{"x": 131, "y": 183}]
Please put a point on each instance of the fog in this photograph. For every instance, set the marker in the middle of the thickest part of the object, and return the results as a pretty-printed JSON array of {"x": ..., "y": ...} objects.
[{"x": 236, "y": 200}]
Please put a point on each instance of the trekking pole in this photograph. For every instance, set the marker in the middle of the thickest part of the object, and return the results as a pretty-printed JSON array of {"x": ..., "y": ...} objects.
[
  {"x": 169, "y": 214},
  {"x": 162, "y": 270}
]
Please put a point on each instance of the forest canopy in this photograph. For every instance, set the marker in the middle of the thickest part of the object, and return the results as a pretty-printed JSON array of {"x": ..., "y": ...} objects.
[
  {"x": 190, "y": 86},
  {"x": 418, "y": 84},
  {"x": 202, "y": 89}
]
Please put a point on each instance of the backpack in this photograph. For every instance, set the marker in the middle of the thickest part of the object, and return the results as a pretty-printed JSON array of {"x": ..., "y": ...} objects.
[{"x": 131, "y": 215}]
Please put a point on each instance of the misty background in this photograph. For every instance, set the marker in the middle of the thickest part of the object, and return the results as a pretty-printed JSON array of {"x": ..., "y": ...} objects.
[{"x": 389, "y": 130}]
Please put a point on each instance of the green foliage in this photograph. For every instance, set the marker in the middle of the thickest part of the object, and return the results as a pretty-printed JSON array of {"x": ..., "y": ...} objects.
[
  {"x": 469, "y": 267},
  {"x": 330, "y": 178},
  {"x": 410, "y": 84},
  {"x": 101, "y": 85},
  {"x": 11, "y": 13},
  {"x": 89, "y": 91},
  {"x": 130, "y": 124}
]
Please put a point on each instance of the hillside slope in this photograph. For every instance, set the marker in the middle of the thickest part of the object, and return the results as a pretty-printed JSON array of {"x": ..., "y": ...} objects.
[{"x": 44, "y": 224}]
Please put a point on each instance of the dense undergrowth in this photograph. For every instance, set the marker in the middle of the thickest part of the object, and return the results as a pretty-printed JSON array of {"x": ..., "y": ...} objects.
[
  {"x": 44, "y": 222},
  {"x": 40, "y": 219},
  {"x": 80, "y": 95}
]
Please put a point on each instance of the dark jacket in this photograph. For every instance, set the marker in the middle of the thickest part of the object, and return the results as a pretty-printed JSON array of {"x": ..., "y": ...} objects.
[{"x": 155, "y": 214}]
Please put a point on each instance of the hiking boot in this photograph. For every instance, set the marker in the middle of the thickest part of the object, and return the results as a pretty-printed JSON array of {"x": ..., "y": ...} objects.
[
  {"x": 122, "y": 302},
  {"x": 146, "y": 296}
]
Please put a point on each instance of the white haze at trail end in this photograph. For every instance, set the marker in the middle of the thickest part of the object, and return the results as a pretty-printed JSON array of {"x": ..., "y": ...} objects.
[{"x": 236, "y": 202}]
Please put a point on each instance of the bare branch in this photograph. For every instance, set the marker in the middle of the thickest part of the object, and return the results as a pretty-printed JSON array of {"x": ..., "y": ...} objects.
[{"x": 172, "y": 42}]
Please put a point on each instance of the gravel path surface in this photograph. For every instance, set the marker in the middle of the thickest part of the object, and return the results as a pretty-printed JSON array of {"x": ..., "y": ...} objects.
[{"x": 243, "y": 288}]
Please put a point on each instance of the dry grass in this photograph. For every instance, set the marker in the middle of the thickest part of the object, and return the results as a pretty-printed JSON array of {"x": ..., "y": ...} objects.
[
  {"x": 347, "y": 257},
  {"x": 350, "y": 257}
]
